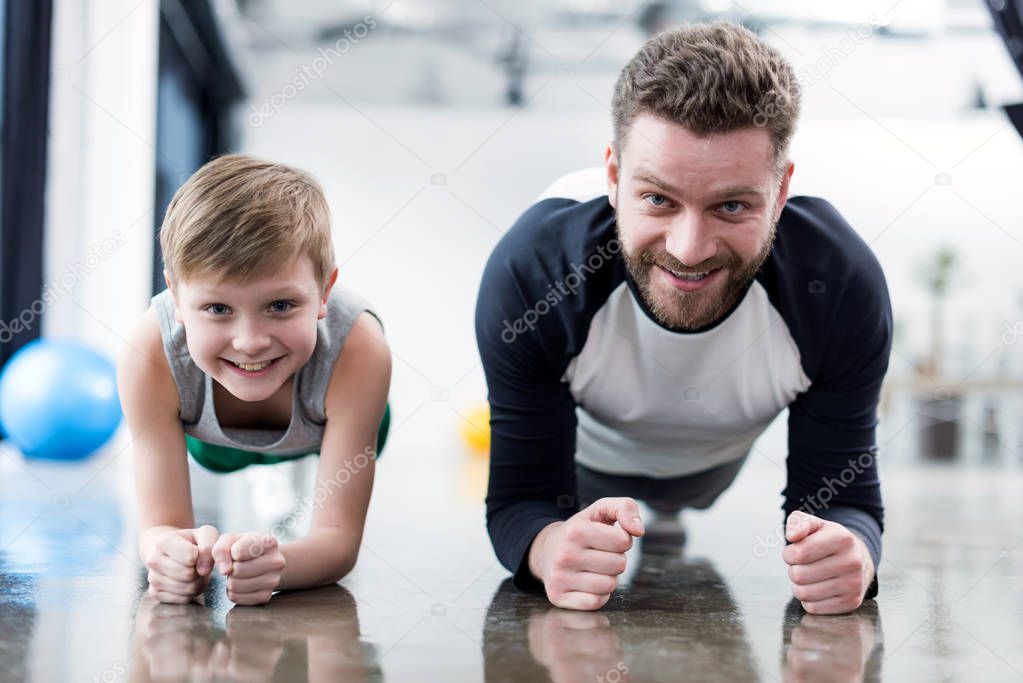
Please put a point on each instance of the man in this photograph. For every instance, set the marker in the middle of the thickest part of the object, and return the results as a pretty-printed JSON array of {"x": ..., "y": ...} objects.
[{"x": 640, "y": 332}]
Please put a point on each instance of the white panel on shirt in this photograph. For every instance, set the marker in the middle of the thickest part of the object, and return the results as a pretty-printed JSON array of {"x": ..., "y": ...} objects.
[{"x": 631, "y": 378}]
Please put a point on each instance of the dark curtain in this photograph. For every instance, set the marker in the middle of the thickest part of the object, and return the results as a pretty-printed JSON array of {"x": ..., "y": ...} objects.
[
  {"x": 1008, "y": 18},
  {"x": 23, "y": 165}
]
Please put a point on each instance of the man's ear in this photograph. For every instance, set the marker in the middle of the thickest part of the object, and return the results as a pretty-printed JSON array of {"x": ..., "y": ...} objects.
[
  {"x": 174, "y": 296},
  {"x": 783, "y": 190},
  {"x": 611, "y": 164},
  {"x": 326, "y": 294}
]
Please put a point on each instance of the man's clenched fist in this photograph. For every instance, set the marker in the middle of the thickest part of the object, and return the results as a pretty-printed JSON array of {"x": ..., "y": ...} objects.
[
  {"x": 830, "y": 567},
  {"x": 579, "y": 560}
]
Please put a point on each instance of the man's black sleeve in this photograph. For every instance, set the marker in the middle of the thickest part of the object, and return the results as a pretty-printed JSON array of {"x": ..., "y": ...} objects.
[
  {"x": 832, "y": 460},
  {"x": 532, "y": 413}
]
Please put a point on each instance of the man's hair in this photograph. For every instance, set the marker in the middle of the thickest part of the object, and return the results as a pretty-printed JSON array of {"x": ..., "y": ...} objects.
[
  {"x": 238, "y": 217},
  {"x": 710, "y": 78}
]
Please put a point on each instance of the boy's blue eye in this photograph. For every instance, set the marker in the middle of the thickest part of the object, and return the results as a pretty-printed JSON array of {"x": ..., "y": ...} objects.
[
  {"x": 218, "y": 309},
  {"x": 281, "y": 306}
]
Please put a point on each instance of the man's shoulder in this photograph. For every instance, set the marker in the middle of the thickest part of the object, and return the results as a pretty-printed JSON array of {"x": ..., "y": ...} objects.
[
  {"x": 827, "y": 285},
  {"x": 550, "y": 273},
  {"x": 813, "y": 235}
]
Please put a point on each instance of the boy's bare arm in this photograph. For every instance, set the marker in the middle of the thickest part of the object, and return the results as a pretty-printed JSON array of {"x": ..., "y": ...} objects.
[
  {"x": 355, "y": 402},
  {"x": 149, "y": 398}
]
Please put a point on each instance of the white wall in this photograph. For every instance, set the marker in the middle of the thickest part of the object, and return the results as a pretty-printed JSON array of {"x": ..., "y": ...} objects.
[{"x": 100, "y": 186}]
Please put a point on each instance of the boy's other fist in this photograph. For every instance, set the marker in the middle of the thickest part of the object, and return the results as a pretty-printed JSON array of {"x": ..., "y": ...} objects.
[
  {"x": 253, "y": 565},
  {"x": 180, "y": 564}
]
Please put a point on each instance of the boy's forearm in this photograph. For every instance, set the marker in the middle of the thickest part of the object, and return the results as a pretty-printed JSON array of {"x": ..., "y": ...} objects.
[
  {"x": 321, "y": 558},
  {"x": 147, "y": 537}
]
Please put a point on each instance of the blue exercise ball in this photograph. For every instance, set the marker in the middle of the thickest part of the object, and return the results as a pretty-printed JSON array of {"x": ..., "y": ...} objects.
[{"x": 58, "y": 400}]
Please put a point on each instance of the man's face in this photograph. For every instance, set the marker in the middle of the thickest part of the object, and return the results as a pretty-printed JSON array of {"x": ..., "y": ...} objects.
[
  {"x": 252, "y": 336},
  {"x": 688, "y": 206}
]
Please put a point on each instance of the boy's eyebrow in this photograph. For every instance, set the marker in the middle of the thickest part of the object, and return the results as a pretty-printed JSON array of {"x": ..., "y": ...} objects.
[
  {"x": 734, "y": 191},
  {"x": 285, "y": 290}
]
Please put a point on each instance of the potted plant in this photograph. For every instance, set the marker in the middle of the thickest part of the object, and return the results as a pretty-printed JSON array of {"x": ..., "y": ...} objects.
[{"x": 940, "y": 404}]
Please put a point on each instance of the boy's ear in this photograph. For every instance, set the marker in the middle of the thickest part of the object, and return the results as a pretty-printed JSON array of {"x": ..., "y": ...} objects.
[
  {"x": 326, "y": 294},
  {"x": 174, "y": 298}
]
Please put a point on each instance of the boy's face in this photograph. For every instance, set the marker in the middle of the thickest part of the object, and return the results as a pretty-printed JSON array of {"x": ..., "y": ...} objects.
[
  {"x": 688, "y": 205},
  {"x": 252, "y": 336}
]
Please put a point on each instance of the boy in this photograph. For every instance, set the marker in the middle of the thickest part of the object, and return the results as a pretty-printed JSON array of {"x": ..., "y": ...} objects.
[{"x": 251, "y": 356}]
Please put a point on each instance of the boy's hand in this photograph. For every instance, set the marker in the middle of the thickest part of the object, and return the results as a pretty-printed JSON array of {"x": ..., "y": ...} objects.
[
  {"x": 253, "y": 565},
  {"x": 180, "y": 564},
  {"x": 830, "y": 567},
  {"x": 579, "y": 560}
]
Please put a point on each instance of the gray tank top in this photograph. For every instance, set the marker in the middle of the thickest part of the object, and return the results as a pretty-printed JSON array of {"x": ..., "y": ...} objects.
[{"x": 308, "y": 416}]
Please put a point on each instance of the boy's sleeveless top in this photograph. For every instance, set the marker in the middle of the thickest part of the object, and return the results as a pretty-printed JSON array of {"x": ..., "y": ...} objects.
[{"x": 308, "y": 416}]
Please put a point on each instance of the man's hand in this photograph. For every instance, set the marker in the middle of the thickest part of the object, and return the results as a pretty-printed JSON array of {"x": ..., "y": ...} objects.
[
  {"x": 829, "y": 566},
  {"x": 579, "y": 560},
  {"x": 253, "y": 565},
  {"x": 180, "y": 564}
]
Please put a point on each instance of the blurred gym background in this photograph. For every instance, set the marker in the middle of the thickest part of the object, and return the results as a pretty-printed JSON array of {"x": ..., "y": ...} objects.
[{"x": 432, "y": 124}]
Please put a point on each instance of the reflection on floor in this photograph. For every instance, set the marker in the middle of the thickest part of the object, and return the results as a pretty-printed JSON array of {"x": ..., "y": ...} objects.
[
  {"x": 429, "y": 602},
  {"x": 677, "y": 619}
]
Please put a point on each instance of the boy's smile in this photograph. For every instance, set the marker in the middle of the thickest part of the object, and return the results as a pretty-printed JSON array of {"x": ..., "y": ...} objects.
[{"x": 252, "y": 336}]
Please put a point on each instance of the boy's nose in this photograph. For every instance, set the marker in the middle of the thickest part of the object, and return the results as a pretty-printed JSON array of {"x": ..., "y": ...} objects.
[{"x": 251, "y": 343}]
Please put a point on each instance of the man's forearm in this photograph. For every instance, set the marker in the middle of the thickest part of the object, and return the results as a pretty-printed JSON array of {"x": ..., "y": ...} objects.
[{"x": 324, "y": 556}]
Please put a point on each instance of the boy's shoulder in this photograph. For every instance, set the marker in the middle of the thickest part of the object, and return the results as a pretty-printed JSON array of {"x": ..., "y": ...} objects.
[{"x": 142, "y": 367}]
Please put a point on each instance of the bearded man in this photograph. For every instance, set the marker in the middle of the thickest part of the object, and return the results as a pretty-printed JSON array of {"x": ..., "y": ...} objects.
[{"x": 640, "y": 327}]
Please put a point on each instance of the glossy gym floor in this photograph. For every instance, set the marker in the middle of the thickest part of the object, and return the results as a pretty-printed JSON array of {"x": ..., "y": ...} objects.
[{"x": 428, "y": 602}]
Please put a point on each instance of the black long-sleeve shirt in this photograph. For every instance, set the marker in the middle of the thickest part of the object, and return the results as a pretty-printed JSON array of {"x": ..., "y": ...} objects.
[{"x": 578, "y": 369}]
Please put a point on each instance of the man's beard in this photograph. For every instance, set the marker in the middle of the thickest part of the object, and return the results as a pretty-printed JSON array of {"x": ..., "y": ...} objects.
[{"x": 689, "y": 311}]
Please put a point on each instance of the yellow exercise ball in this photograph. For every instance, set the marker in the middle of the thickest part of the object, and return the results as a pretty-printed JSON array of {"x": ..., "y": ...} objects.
[{"x": 475, "y": 428}]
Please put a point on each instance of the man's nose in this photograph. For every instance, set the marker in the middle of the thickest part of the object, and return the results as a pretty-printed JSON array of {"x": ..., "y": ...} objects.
[{"x": 689, "y": 239}]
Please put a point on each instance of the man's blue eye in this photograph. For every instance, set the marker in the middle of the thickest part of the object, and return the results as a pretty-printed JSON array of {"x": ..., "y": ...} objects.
[
  {"x": 661, "y": 200},
  {"x": 738, "y": 206}
]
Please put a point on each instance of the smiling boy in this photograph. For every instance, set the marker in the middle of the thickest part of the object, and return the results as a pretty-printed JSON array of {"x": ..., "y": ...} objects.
[
  {"x": 703, "y": 302},
  {"x": 252, "y": 356}
]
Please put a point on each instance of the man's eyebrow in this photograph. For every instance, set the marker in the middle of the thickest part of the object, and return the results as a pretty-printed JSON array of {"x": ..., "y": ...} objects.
[{"x": 734, "y": 191}]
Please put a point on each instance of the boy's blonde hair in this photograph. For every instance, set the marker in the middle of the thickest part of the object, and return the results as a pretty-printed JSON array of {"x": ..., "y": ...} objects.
[{"x": 240, "y": 217}]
